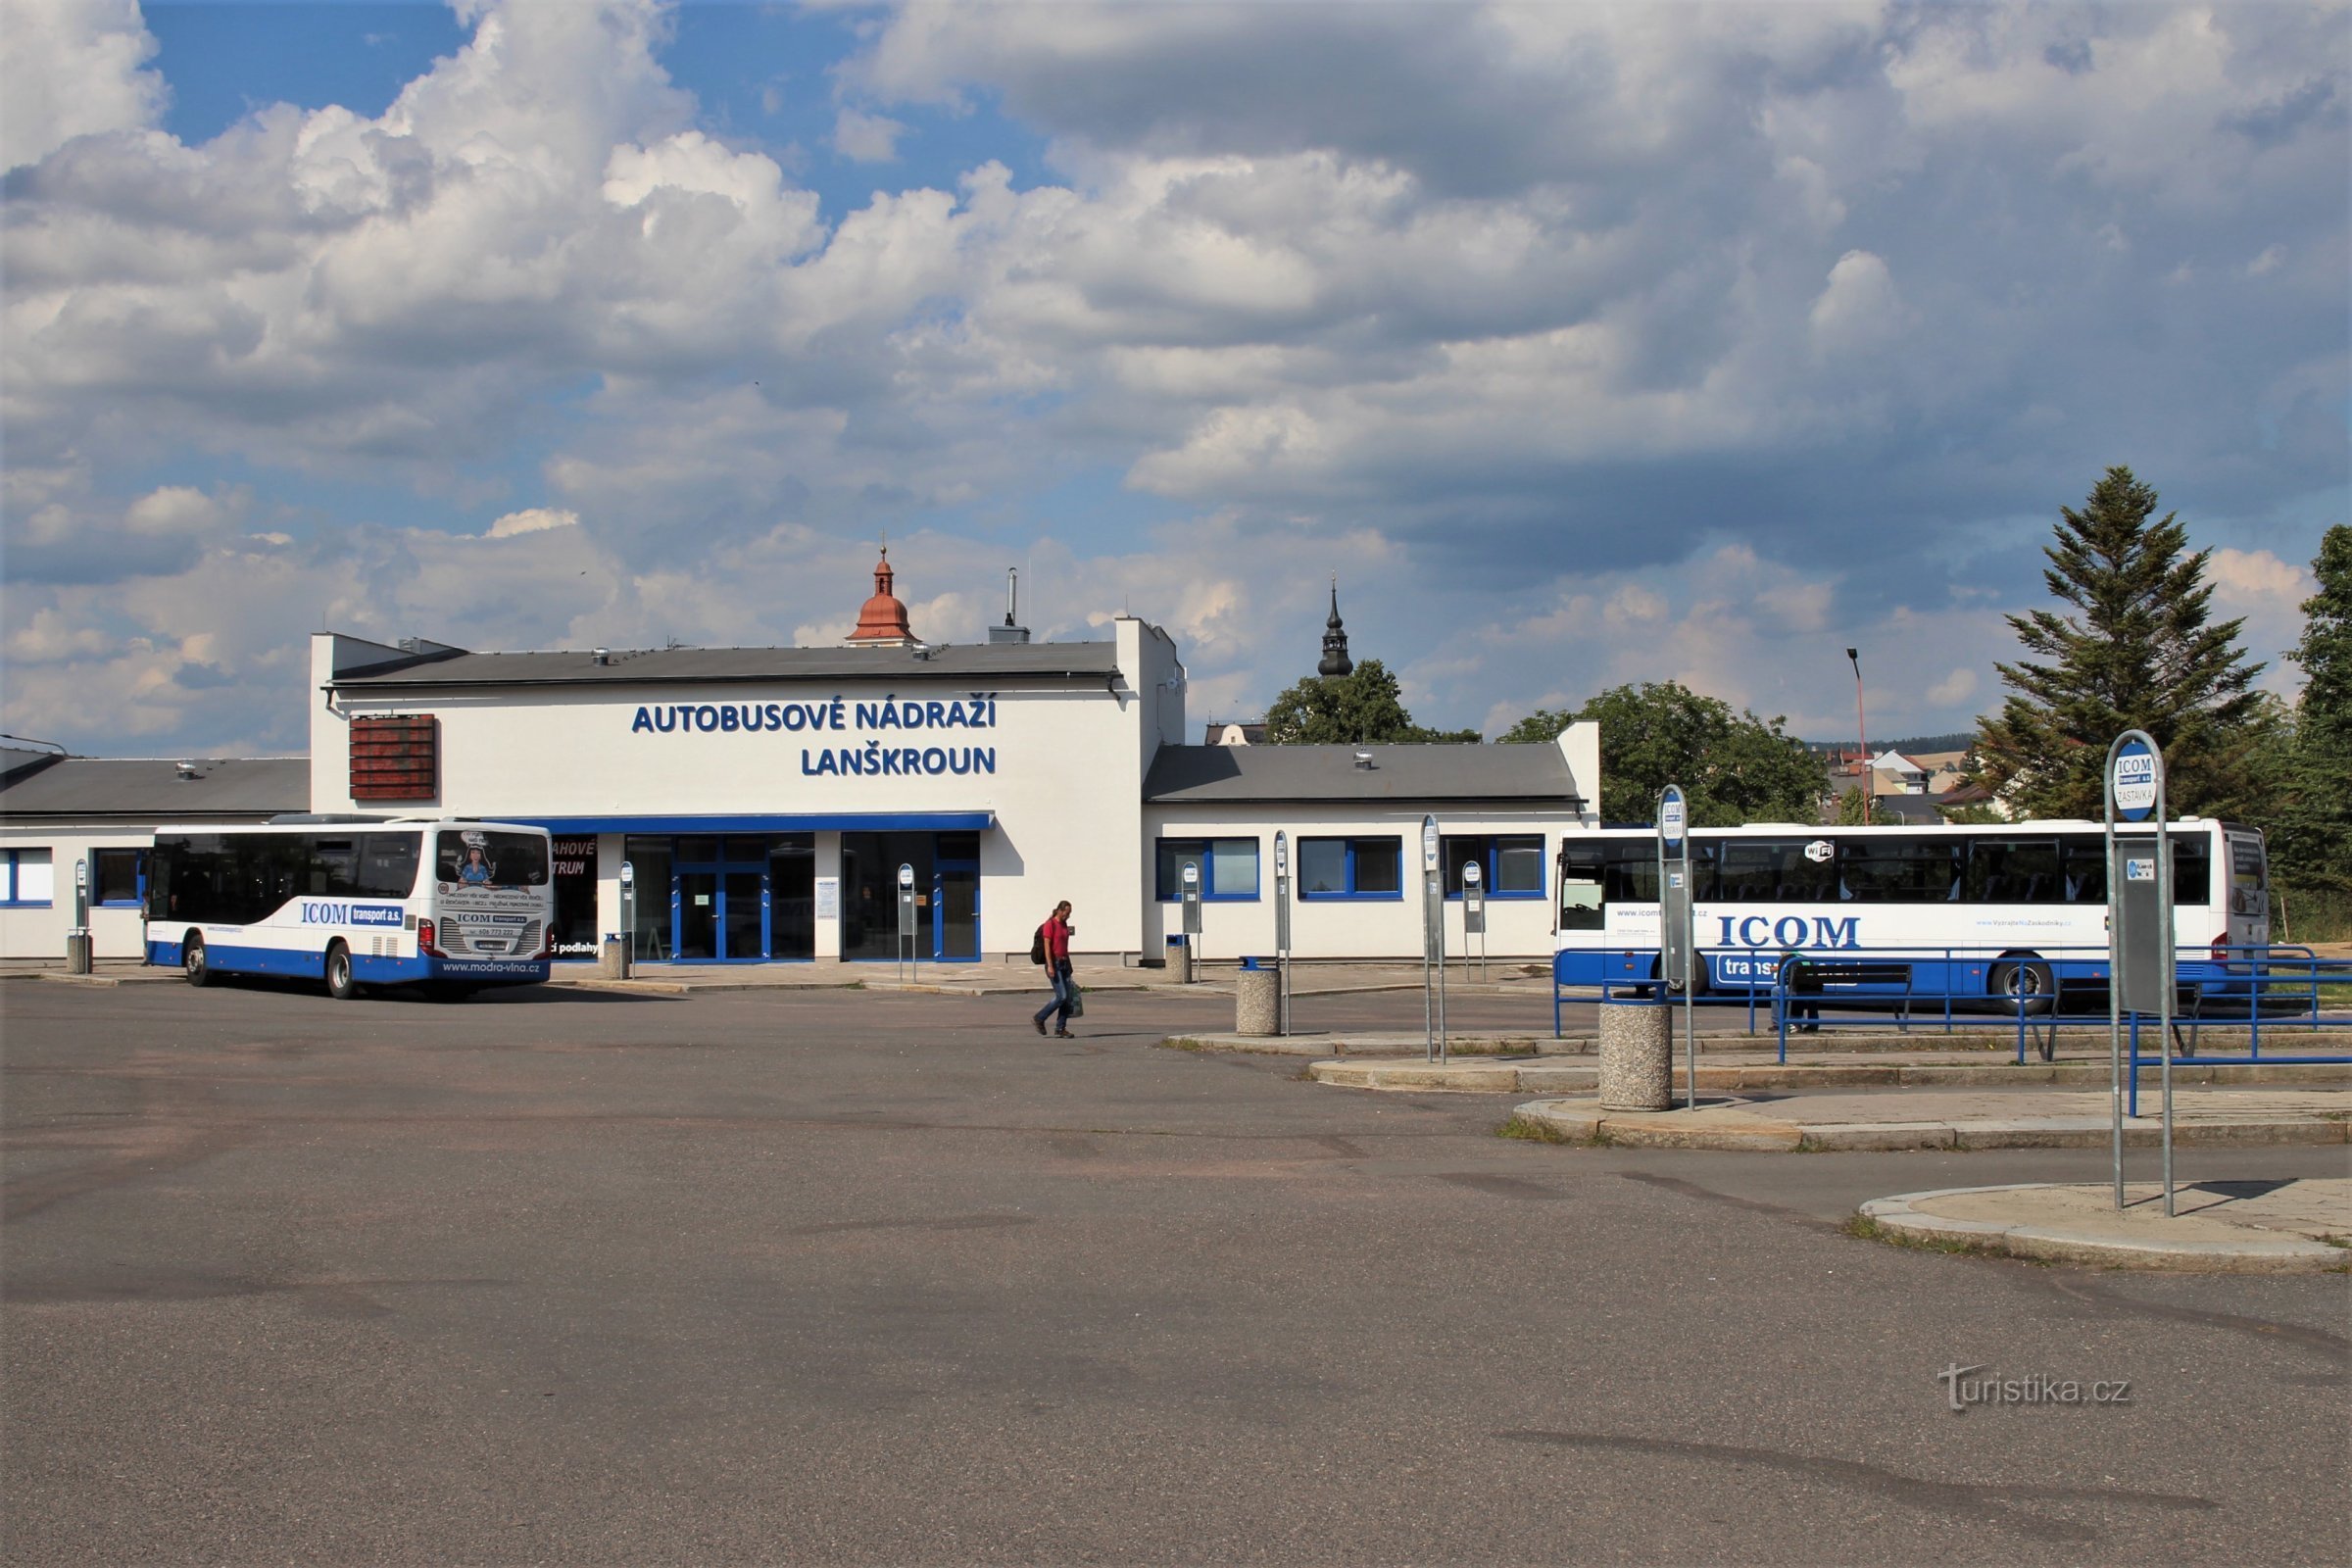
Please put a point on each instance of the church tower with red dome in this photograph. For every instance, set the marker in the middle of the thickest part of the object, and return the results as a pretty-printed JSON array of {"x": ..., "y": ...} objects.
[{"x": 882, "y": 619}]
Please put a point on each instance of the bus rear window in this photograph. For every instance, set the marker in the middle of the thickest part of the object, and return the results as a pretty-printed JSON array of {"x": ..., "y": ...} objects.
[{"x": 472, "y": 858}]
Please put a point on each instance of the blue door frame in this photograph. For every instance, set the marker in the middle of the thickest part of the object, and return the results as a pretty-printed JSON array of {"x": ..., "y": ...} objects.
[
  {"x": 719, "y": 870},
  {"x": 939, "y": 910}
]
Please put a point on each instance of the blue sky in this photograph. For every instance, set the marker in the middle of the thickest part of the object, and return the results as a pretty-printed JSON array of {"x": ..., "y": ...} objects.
[{"x": 1584, "y": 344}]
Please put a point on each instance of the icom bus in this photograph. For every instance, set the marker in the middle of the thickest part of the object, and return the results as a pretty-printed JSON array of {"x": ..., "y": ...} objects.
[
  {"x": 2013, "y": 911},
  {"x": 443, "y": 902}
]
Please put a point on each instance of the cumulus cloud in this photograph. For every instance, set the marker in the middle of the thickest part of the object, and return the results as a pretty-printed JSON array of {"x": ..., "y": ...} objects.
[
  {"x": 1685, "y": 340},
  {"x": 72, "y": 67},
  {"x": 532, "y": 519},
  {"x": 866, "y": 139}
]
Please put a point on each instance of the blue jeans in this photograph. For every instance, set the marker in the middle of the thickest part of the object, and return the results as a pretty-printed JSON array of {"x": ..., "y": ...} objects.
[{"x": 1058, "y": 971}]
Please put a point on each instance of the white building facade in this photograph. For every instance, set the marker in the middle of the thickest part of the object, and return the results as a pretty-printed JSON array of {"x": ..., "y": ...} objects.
[{"x": 766, "y": 801}]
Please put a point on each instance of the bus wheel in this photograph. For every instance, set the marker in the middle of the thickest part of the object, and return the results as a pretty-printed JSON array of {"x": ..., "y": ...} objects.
[
  {"x": 192, "y": 960},
  {"x": 2025, "y": 986},
  {"x": 339, "y": 982}
]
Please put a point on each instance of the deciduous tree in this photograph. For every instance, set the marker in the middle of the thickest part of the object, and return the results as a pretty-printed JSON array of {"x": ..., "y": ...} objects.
[
  {"x": 1351, "y": 710},
  {"x": 1735, "y": 768}
]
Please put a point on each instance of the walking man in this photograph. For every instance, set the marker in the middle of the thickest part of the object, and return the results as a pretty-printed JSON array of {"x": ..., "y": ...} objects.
[{"x": 1055, "y": 937}]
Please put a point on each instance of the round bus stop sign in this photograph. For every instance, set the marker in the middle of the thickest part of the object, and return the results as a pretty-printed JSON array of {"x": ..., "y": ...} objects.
[{"x": 2133, "y": 785}]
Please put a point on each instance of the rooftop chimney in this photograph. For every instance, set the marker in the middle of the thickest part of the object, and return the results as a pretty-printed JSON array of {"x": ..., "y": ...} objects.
[{"x": 1012, "y": 631}]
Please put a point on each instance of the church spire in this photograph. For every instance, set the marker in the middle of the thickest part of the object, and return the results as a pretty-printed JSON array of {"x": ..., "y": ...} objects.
[
  {"x": 1336, "y": 663},
  {"x": 882, "y": 619}
]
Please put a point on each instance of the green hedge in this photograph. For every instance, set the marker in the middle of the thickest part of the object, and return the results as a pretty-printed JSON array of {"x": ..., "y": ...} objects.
[{"x": 2309, "y": 915}]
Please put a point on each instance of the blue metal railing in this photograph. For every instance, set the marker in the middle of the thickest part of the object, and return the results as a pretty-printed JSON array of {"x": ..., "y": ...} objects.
[{"x": 2254, "y": 987}]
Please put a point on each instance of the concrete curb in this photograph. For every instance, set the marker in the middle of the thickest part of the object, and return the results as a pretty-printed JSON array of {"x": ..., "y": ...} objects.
[
  {"x": 1461, "y": 1077},
  {"x": 1997, "y": 1052},
  {"x": 1900, "y": 1219},
  {"x": 628, "y": 988},
  {"x": 1729, "y": 1125}
]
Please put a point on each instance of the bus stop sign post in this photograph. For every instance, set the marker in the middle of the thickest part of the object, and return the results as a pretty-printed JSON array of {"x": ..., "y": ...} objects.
[
  {"x": 628, "y": 918},
  {"x": 1433, "y": 943},
  {"x": 1282, "y": 932},
  {"x": 2139, "y": 926},
  {"x": 1673, "y": 917},
  {"x": 77, "y": 940},
  {"x": 1474, "y": 916},
  {"x": 906, "y": 950}
]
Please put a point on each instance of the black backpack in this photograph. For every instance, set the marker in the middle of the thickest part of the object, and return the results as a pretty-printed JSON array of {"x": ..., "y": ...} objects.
[{"x": 1037, "y": 947}]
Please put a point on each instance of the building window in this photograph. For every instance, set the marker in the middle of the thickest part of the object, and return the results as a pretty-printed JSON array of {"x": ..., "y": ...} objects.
[
  {"x": 1350, "y": 868},
  {"x": 25, "y": 879},
  {"x": 117, "y": 876},
  {"x": 1511, "y": 864},
  {"x": 1227, "y": 869}
]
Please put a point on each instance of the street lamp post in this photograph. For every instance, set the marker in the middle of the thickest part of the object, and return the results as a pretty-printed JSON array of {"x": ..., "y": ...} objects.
[{"x": 1862, "y": 733}]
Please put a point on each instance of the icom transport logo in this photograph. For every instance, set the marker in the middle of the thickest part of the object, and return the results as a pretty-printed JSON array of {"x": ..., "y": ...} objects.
[
  {"x": 324, "y": 913},
  {"x": 2135, "y": 780}
]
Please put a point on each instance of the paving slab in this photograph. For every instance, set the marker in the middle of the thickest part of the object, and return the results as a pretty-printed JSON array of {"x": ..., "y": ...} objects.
[
  {"x": 1900, "y": 1119},
  {"x": 2288, "y": 1226}
]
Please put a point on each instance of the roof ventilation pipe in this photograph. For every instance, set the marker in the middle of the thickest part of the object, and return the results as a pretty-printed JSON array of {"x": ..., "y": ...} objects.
[{"x": 1012, "y": 631}]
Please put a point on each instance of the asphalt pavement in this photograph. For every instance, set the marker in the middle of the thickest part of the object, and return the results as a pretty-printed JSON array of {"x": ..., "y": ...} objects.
[{"x": 561, "y": 1276}]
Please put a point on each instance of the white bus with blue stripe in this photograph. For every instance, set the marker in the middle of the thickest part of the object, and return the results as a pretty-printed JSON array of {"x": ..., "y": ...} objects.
[
  {"x": 442, "y": 903},
  {"x": 2014, "y": 913}
]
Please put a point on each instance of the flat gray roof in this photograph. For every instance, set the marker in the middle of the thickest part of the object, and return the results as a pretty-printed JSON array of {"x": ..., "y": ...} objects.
[
  {"x": 83, "y": 787},
  {"x": 1534, "y": 774},
  {"x": 955, "y": 661}
]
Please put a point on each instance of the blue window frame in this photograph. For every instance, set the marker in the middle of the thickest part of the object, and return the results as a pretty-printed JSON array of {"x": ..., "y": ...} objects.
[
  {"x": 1511, "y": 864},
  {"x": 117, "y": 878},
  {"x": 1227, "y": 869},
  {"x": 26, "y": 879},
  {"x": 1352, "y": 869}
]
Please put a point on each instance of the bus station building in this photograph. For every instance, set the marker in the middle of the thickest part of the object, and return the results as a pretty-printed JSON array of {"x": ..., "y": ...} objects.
[{"x": 766, "y": 798}]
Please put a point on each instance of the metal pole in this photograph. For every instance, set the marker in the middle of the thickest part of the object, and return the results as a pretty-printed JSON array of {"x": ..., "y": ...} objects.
[
  {"x": 2114, "y": 982},
  {"x": 2164, "y": 1017},
  {"x": 1432, "y": 910},
  {"x": 1870, "y": 775},
  {"x": 1691, "y": 1014}
]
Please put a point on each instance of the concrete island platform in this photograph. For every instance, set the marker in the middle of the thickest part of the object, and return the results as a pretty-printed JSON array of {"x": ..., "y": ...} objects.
[
  {"x": 2241, "y": 1227},
  {"x": 1892, "y": 1120}
]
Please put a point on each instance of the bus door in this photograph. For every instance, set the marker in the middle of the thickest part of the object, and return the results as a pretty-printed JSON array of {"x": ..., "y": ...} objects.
[
  {"x": 1608, "y": 912},
  {"x": 2249, "y": 893}
]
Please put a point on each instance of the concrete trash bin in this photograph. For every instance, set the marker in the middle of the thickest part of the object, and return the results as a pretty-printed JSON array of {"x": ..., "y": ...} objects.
[
  {"x": 1637, "y": 1057},
  {"x": 1258, "y": 1000},
  {"x": 1180, "y": 958},
  {"x": 78, "y": 951},
  {"x": 613, "y": 957}
]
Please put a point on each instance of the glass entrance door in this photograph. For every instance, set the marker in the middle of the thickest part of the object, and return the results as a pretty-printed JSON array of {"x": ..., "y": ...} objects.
[
  {"x": 698, "y": 915},
  {"x": 955, "y": 912},
  {"x": 722, "y": 900}
]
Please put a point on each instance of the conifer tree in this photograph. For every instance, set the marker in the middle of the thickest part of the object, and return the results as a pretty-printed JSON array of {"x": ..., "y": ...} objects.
[
  {"x": 2139, "y": 654},
  {"x": 2311, "y": 847}
]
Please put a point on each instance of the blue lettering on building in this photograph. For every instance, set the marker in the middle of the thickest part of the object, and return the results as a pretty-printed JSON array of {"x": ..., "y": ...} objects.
[{"x": 864, "y": 758}]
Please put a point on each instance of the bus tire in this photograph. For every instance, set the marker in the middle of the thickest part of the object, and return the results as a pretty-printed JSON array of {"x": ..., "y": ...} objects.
[
  {"x": 194, "y": 966},
  {"x": 340, "y": 983},
  {"x": 2027, "y": 982}
]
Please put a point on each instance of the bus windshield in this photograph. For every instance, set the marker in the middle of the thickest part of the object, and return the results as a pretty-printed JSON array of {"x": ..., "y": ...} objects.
[{"x": 474, "y": 858}]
